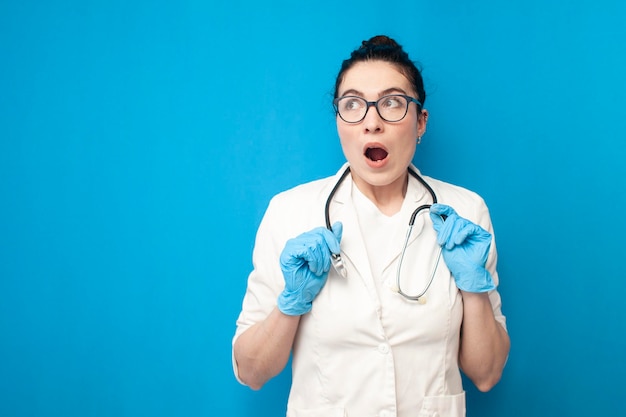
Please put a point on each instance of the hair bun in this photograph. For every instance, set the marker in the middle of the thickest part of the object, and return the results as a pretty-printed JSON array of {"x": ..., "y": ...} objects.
[
  {"x": 379, "y": 40},
  {"x": 385, "y": 49}
]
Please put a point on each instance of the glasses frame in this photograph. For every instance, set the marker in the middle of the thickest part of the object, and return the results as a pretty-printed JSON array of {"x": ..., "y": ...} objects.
[{"x": 369, "y": 104}]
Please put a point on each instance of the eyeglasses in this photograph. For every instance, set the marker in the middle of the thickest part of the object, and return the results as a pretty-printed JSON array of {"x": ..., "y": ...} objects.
[{"x": 391, "y": 108}]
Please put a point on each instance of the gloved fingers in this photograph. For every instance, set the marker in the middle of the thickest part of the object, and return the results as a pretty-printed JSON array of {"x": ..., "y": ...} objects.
[
  {"x": 466, "y": 229},
  {"x": 292, "y": 255},
  {"x": 447, "y": 229},
  {"x": 324, "y": 243},
  {"x": 437, "y": 213},
  {"x": 313, "y": 248},
  {"x": 477, "y": 234},
  {"x": 302, "y": 250},
  {"x": 437, "y": 221},
  {"x": 470, "y": 232},
  {"x": 455, "y": 229},
  {"x": 317, "y": 256},
  {"x": 442, "y": 210},
  {"x": 338, "y": 232}
]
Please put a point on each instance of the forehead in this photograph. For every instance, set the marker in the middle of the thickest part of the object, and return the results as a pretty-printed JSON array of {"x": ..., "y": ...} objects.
[{"x": 373, "y": 77}]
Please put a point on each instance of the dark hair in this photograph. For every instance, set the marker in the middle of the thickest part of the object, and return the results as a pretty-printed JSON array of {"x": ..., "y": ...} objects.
[{"x": 383, "y": 48}]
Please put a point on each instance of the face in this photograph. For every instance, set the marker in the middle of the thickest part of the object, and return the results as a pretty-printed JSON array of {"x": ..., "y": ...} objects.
[{"x": 379, "y": 152}]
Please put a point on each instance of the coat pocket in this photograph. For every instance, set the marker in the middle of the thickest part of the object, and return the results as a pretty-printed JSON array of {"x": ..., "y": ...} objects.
[{"x": 443, "y": 406}]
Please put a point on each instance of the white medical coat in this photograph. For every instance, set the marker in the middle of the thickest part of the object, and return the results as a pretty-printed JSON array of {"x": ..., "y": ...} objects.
[{"x": 364, "y": 352}]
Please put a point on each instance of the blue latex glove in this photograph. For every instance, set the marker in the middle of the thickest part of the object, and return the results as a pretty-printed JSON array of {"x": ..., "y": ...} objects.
[
  {"x": 465, "y": 249},
  {"x": 305, "y": 262}
]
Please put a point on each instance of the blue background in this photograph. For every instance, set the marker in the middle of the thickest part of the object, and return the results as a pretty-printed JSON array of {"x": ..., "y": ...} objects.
[{"x": 140, "y": 143}]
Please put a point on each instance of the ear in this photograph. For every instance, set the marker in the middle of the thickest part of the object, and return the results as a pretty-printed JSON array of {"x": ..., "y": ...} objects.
[{"x": 422, "y": 120}]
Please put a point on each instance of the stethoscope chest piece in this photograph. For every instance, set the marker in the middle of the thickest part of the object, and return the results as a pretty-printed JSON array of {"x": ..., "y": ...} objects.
[{"x": 338, "y": 265}]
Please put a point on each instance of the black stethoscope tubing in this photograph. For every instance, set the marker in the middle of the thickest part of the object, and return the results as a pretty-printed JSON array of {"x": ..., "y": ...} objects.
[
  {"x": 413, "y": 216},
  {"x": 337, "y": 261}
]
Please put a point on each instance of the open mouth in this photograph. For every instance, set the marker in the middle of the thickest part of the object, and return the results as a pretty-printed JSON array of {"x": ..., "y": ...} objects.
[{"x": 376, "y": 154}]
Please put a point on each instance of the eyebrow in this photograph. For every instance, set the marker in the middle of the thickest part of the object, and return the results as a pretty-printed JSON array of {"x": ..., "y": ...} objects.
[{"x": 391, "y": 90}]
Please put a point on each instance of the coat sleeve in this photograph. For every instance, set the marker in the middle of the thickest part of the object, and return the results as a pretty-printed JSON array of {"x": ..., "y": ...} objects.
[
  {"x": 483, "y": 218},
  {"x": 265, "y": 281},
  {"x": 288, "y": 214}
]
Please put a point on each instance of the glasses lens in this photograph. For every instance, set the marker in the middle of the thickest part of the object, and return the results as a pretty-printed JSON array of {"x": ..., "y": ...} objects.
[
  {"x": 392, "y": 108},
  {"x": 351, "y": 109}
]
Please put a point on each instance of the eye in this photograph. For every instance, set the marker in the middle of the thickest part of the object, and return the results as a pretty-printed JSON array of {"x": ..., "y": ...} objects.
[
  {"x": 392, "y": 102},
  {"x": 351, "y": 103}
]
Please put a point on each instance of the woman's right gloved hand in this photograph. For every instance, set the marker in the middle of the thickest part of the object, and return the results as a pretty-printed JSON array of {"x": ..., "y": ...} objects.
[{"x": 305, "y": 262}]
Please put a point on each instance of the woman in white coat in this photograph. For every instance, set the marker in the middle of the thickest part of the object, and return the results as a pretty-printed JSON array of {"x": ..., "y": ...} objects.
[{"x": 360, "y": 347}]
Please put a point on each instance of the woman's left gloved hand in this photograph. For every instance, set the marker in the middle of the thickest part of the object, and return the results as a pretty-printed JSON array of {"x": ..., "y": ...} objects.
[{"x": 465, "y": 248}]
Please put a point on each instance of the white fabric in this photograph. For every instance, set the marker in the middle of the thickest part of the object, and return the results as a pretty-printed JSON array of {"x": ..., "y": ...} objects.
[
  {"x": 382, "y": 235},
  {"x": 362, "y": 352}
]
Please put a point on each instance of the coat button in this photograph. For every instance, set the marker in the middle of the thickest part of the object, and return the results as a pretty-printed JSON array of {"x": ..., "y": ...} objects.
[{"x": 383, "y": 348}]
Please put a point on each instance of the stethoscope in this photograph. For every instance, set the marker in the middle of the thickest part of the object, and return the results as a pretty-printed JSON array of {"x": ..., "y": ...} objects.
[{"x": 336, "y": 257}]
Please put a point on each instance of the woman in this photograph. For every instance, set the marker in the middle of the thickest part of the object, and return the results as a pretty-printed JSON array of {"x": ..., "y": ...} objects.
[{"x": 365, "y": 341}]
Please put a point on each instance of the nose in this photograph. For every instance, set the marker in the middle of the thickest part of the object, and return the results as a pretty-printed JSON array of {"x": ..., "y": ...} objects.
[{"x": 372, "y": 121}]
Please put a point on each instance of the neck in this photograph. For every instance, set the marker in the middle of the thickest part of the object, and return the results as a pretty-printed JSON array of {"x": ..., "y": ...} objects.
[{"x": 388, "y": 198}]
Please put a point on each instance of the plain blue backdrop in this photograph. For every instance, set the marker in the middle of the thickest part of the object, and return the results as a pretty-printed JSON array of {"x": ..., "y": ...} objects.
[{"x": 141, "y": 141}]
